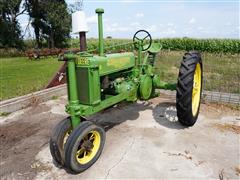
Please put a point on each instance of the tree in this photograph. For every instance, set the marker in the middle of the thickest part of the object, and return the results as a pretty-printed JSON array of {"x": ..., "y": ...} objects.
[
  {"x": 51, "y": 21},
  {"x": 58, "y": 23},
  {"x": 35, "y": 11},
  {"x": 10, "y": 33}
]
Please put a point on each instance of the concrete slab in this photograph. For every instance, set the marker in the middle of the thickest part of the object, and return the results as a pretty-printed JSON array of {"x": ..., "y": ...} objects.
[{"x": 144, "y": 141}]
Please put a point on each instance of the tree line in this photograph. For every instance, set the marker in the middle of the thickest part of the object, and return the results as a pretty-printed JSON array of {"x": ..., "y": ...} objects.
[{"x": 50, "y": 19}]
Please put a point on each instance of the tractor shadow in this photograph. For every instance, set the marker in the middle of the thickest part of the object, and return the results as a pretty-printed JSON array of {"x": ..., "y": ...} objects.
[
  {"x": 165, "y": 114},
  {"x": 120, "y": 113}
]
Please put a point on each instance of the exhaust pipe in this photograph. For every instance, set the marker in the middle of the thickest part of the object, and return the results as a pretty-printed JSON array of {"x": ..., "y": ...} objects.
[{"x": 100, "y": 11}]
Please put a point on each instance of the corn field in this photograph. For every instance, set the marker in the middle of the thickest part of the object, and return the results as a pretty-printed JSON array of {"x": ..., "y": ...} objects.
[
  {"x": 203, "y": 45},
  {"x": 225, "y": 46}
]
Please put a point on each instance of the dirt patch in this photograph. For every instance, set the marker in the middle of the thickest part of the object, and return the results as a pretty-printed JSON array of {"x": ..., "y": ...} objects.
[
  {"x": 215, "y": 111},
  {"x": 34, "y": 101},
  {"x": 37, "y": 109},
  {"x": 185, "y": 154},
  {"x": 22, "y": 139},
  {"x": 228, "y": 127},
  {"x": 40, "y": 167},
  {"x": 12, "y": 134},
  {"x": 225, "y": 107},
  {"x": 15, "y": 132},
  {"x": 237, "y": 169}
]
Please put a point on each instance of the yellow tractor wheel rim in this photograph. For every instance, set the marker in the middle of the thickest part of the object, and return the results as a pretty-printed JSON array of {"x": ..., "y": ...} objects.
[
  {"x": 196, "y": 91},
  {"x": 67, "y": 134},
  {"x": 88, "y": 147}
]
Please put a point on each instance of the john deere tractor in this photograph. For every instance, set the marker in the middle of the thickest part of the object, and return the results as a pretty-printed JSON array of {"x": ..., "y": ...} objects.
[{"x": 97, "y": 82}]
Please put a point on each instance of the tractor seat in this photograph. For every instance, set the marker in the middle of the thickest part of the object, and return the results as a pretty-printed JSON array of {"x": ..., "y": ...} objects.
[{"x": 155, "y": 48}]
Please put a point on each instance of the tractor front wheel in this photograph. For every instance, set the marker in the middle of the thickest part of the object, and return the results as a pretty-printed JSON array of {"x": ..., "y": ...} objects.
[
  {"x": 84, "y": 146},
  {"x": 189, "y": 88},
  {"x": 58, "y": 139}
]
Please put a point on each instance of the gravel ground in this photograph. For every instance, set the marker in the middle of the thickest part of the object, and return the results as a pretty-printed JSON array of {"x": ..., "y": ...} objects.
[{"x": 144, "y": 140}]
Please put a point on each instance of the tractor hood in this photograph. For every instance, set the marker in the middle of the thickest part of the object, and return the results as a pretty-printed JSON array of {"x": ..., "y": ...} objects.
[{"x": 107, "y": 64}]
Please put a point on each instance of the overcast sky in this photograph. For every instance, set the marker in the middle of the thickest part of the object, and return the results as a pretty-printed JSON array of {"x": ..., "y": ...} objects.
[{"x": 198, "y": 19}]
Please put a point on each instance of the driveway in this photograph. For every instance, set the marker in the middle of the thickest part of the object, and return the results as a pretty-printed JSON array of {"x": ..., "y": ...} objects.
[{"x": 144, "y": 140}]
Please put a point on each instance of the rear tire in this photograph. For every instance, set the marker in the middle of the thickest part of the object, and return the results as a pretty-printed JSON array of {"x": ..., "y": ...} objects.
[{"x": 189, "y": 88}]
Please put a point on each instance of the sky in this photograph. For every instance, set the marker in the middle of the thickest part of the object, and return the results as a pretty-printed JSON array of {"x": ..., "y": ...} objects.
[{"x": 162, "y": 18}]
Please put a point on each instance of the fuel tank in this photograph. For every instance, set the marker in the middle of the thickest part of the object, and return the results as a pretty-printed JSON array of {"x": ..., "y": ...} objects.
[{"x": 109, "y": 63}]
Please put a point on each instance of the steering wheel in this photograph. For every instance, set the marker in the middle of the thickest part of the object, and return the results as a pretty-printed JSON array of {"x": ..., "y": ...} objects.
[{"x": 144, "y": 37}]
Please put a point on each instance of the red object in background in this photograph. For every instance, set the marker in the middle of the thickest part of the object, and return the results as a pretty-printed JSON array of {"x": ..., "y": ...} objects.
[{"x": 59, "y": 78}]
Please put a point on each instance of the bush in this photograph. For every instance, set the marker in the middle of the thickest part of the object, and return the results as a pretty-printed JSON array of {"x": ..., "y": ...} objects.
[{"x": 10, "y": 52}]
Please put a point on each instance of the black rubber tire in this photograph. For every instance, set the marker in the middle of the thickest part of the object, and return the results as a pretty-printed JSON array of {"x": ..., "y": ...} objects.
[
  {"x": 56, "y": 141},
  {"x": 185, "y": 86},
  {"x": 73, "y": 142}
]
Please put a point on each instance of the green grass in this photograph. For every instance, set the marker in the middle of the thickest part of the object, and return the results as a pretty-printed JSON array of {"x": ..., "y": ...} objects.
[
  {"x": 221, "y": 72},
  {"x": 3, "y": 114},
  {"x": 20, "y": 76},
  {"x": 54, "y": 97}
]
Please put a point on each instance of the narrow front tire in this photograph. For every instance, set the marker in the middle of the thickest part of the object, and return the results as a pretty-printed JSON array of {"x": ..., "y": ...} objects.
[
  {"x": 58, "y": 139},
  {"x": 84, "y": 146}
]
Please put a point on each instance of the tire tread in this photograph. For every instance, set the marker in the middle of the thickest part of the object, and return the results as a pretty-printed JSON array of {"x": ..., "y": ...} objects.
[{"x": 184, "y": 88}]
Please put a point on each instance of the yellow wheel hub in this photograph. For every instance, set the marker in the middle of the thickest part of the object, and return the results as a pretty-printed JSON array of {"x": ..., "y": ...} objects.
[
  {"x": 196, "y": 91},
  {"x": 88, "y": 147},
  {"x": 67, "y": 134}
]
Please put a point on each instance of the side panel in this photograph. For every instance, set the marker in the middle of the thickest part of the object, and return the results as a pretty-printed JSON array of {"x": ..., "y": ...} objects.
[
  {"x": 115, "y": 63},
  {"x": 88, "y": 85},
  {"x": 94, "y": 88}
]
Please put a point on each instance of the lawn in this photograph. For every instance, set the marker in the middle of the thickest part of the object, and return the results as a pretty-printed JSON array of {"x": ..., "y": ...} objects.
[
  {"x": 21, "y": 76},
  {"x": 221, "y": 72}
]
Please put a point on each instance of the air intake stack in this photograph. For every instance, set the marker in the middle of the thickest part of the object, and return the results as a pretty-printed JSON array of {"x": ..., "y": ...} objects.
[{"x": 100, "y": 11}]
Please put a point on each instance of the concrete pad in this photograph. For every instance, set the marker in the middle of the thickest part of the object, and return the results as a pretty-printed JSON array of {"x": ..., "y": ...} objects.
[{"x": 144, "y": 141}]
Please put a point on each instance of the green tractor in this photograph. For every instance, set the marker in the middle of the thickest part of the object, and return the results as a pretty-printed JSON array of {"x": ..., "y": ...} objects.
[{"x": 97, "y": 82}]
